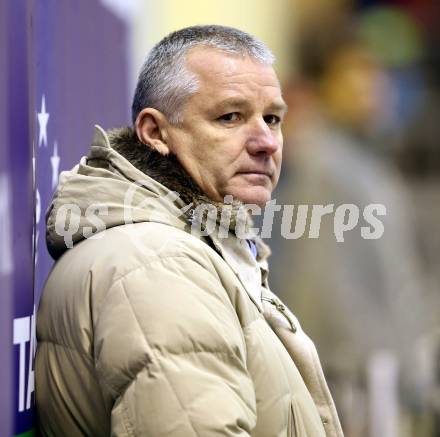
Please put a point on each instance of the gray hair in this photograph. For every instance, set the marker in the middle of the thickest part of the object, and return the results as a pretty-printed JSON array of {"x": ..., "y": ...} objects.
[{"x": 164, "y": 81}]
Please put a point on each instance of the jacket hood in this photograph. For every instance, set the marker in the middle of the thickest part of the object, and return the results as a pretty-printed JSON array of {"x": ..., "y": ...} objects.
[{"x": 123, "y": 181}]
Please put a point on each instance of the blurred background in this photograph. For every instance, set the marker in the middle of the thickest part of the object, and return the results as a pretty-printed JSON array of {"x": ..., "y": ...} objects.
[{"x": 362, "y": 81}]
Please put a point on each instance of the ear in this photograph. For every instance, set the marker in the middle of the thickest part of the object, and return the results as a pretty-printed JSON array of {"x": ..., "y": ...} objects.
[{"x": 150, "y": 128}]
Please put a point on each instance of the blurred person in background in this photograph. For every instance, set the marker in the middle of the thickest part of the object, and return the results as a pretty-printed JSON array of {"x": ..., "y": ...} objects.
[
  {"x": 361, "y": 300},
  {"x": 419, "y": 160}
]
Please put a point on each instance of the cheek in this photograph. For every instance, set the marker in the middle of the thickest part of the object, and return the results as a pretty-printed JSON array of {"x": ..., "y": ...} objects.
[
  {"x": 205, "y": 143},
  {"x": 216, "y": 152},
  {"x": 220, "y": 151},
  {"x": 278, "y": 155},
  {"x": 278, "y": 158}
]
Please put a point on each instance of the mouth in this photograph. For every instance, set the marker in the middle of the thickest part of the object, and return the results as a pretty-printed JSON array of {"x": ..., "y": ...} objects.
[{"x": 266, "y": 173}]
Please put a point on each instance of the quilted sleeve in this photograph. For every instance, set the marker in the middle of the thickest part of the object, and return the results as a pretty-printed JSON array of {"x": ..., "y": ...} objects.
[{"x": 170, "y": 353}]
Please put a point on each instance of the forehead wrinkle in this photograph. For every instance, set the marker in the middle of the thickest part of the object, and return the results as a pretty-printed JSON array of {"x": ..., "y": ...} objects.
[
  {"x": 197, "y": 63},
  {"x": 238, "y": 78},
  {"x": 232, "y": 83},
  {"x": 236, "y": 86}
]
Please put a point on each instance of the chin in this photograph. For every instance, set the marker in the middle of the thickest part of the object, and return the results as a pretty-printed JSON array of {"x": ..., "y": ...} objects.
[{"x": 254, "y": 196}]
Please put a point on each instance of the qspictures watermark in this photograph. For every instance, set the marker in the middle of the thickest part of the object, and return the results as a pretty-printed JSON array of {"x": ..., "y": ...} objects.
[{"x": 297, "y": 221}]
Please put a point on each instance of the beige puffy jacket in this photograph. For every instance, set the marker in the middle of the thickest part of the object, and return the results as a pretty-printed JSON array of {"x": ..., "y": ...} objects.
[{"x": 147, "y": 329}]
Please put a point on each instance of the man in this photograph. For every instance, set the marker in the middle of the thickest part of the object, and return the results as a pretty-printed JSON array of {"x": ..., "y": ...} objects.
[{"x": 154, "y": 326}]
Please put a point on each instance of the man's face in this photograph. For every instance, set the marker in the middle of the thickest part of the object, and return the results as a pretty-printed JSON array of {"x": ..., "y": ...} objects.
[{"x": 230, "y": 140}]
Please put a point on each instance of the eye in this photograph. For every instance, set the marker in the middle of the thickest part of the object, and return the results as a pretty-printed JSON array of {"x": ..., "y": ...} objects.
[
  {"x": 230, "y": 117},
  {"x": 272, "y": 120}
]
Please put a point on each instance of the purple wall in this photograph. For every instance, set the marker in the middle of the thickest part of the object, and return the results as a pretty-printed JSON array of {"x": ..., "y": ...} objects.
[
  {"x": 5, "y": 239},
  {"x": 80, "y": 74},
  {"x": 22, "y": 203},
  {"x": 63, "y": 68}
]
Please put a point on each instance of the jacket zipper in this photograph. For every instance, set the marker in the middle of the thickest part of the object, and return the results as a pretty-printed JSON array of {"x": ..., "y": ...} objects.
[{"x": 282, "y": 309}]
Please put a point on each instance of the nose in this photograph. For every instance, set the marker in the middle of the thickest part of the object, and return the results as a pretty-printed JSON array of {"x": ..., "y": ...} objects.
[{"x": 262, "y": 139}]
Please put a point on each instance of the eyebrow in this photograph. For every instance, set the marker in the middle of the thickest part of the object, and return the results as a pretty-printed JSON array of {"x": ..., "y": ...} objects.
[
  {"x": 280, "y": 106},
  {"x": 236, "y": 102}
]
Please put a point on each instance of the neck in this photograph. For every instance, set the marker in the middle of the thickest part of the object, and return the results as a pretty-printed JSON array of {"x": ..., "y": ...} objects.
[{"x": 168, "y": 171}]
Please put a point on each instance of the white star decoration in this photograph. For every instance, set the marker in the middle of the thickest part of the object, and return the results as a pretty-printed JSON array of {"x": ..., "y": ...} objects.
[
  {"x": 43, "y": 118},
  {"x": 55, "y": 163}
]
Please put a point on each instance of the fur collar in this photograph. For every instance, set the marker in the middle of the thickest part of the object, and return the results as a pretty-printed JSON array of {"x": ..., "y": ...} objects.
[{"x": 164, "y": 169}]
